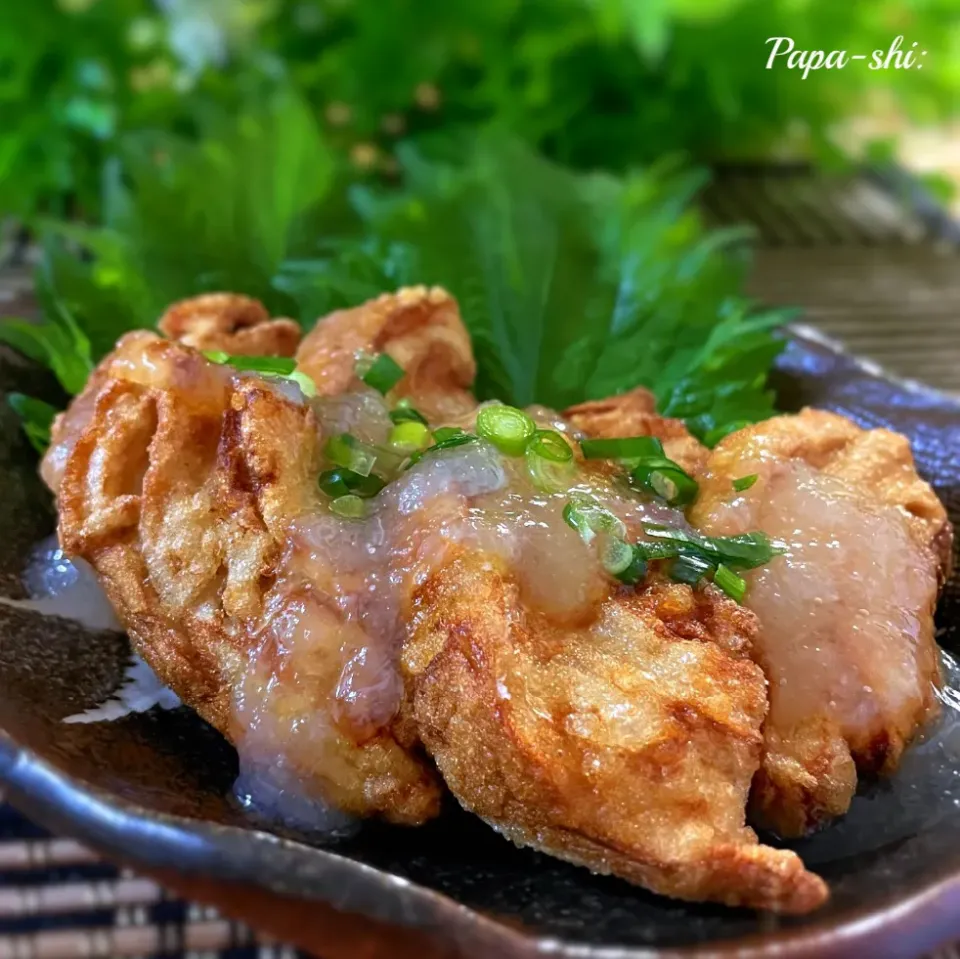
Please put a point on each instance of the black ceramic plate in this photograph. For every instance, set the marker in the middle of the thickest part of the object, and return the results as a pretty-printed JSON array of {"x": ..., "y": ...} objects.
[{"x": 152, "y": 789}]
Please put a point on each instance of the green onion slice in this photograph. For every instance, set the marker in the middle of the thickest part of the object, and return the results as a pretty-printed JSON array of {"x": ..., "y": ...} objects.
[
  {"x": 549, "y": 445},
  {"x": 549, "y": 461},
  {"x": 616, "y": 556},
  {"x": 629, "y": 447},
  {"x": 445, "y": 433},
  {"x": 635, "y": 572},
  {"x": 745, "y": 482},
  {"x": 404, "y": 412},
  {"x": 690, "y": 569},
  {"x": 279, "y": 365},
  {"x": 306, "y": 384},
  {"x": 348, "y": 506},
  {"x": 448, "y": 438},
  {"x": 585, "y": 514},
  {"x": 347, "y": 451},
  {"x": 380, "y": 372},
  {"x": 339, "y": 482},
  {"x": 409, "y": 436},
  {"x": 666, "y": 479},
  {"x": 508, "y": 428},
  {"x": 744, "y": 551},
  {"x": 732, "y": 584}
]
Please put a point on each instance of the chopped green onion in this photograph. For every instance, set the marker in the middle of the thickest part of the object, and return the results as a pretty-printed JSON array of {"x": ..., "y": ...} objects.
[
  {"x": 689, "y": 569},
  {"x": 654, "y": 550},
  {"x": 448, "y": 438},
  {"x": 350, "y": 506},
  {"x": 306, "y": 384},
  {"x": 332, "y": 483},
  {"x": 445, "y": 433},
  {"x": 409, "y": 436},
  {"x": 347, "y": 451},
  {"x": 550, "y": 445},
  {"x": 549, "y": 460},
  {"x": 628, "y": 447},
  {"x": 381, "y": 373},
  {"x": 584, "y": 514},
  {"x": 280, "y": 365},
  {"x": 576, "y": 519},
  {"x": 340, "y": 482},
  {"x": 635, "y": 572},
  {"x": 734, "y": 586},
  {"x": 616, "y": 556},
  {"x": 744, "y": 551},
  {"x": 404, "y": 412},
  {"x": 666, "y": 479},
  {"x": 508, "y": 428},
  {"x": 745, "y": 482}
]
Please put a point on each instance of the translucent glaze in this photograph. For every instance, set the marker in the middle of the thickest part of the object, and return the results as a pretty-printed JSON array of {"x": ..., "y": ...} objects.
[
  {"x": 58, "y": 586},
  {"x": 841, "y": 612},
  {"x": 326, "y": 663}
]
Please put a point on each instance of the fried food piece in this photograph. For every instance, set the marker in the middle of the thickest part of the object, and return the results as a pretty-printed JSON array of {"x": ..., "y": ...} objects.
[
  {"x": 229, "y": 322},
  {"x": 627, "y": 746},
  {"x": 180, "y": 492},
  {"x": 418, "y": 327},
  {"x": 847, "y": 634},
  {"x": 635, "y": 414}
]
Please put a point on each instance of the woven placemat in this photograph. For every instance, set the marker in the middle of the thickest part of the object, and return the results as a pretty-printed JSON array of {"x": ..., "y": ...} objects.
[
  {"x": 871, "y": 267},
  {"x": 59, "y": 901}
]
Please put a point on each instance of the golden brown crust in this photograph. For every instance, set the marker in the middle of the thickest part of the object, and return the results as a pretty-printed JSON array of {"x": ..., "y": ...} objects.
[
  {"x": 180, "y": 492},
  {"x": 417, "y": 326},
  {"x": 809, "y": 770},
  {"x": 229, "y": 322},
  {"x": 627, "y": 747},
  {"x": 635, "y": 414},
  {"x": 877, "y": 461}
]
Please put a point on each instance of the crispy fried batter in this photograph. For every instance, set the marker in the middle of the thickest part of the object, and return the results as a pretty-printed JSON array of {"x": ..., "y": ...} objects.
[
  {"x": 230, "y": 322},
  {"x": 627, "y": 746},
  {"x": 635, "y": 414},
  {"x": 180, "y": 493},
  {"x": 848, "y": 649},
  {"x": 418, "y": 327}
]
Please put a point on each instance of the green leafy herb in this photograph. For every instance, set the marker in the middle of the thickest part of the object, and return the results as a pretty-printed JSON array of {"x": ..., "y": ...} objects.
[
  {"x": 573, "y": 286},
  {"x": 744, "y": 482},
  {"x": 35, "y": 417},
  {"x": 579, "y": 286}
]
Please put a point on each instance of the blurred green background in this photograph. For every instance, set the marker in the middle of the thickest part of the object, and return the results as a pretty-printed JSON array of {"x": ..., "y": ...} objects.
[
  {"x": 540, "y": 158},
  {"x": 591, "y": 83}
]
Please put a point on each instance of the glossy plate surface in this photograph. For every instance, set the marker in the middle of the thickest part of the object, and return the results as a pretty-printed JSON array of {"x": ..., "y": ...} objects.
[{"x": 153, "y": 789}]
